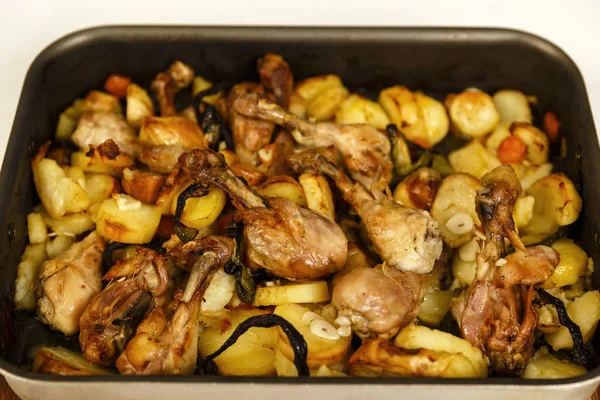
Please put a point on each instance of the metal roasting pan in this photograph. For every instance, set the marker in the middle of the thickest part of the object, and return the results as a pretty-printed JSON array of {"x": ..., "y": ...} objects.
[{"x": 435, "y": 60}]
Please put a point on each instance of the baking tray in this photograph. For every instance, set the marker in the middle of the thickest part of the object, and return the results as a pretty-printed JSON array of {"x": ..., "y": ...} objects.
[{"x": 435, "y": 60}]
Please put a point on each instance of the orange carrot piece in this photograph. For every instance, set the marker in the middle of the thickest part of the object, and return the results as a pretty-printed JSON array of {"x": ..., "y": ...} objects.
[
  {"x": 551, "y": 126},
  {"x": 117, "y": 85},
  {"x": 512, "y": 150}
]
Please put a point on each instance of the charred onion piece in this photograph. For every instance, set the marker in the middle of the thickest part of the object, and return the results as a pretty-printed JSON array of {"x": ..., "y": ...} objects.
[
  {"x": 245, "y": 285},
  {"x": 184, "y": 233},
  {"x": 268, "y": 321},
  {"x": 583, "y": 355},
  {"x": 107, "y": 257},
  {"x": 210, "y": 119}
]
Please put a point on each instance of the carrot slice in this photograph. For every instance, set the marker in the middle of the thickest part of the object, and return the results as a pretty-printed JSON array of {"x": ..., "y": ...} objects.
[
  {"x": 512, "y": 150},
  {"x": 117, "y": 85},
  {"x": 551, "y": 126}
]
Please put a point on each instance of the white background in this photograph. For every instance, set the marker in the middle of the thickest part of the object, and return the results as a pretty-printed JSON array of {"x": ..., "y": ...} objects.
[{"x": 26, "y": 27}]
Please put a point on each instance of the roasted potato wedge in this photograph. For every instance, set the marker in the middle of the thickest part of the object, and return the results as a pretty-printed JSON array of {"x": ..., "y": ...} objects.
[
  {"x": 293, "y": 293},
  {"x": 537, "y": 142},
  {"x": 454, "y": 208},
  {"x": 102, "y": 102},
  {"x": 322, "y": 96},
  {"x": 104, "y": 159},
  {"x": 472, "y": 112},
  {"x": 523, "y": 212},
  {"x": 318, "y": 194},
  {"x": 60, "y": 361},
  {"x": 218, "y": 293},
  {"x": 70, "y": 225},
  {"x": 321, "y": 350},
  {"x": 418, "y": 189},
  {"x": 573, "y": 264},
  {"x": 127, "y": 220},
  {"x": 512, "y": 106},
  {"x": 358, "y": 110},
  {"x": 252, "y": 355},
  {"x": 142, "y": 185},
  {"x": 545, "y": 366},
  {"x": 33, "y": 256},
  {"x": 434, "y": 306},
  {"x": 100, "y": 187},
  {"x": 585, "y": 312},
  {"x": 283, "y": 186},
  {"x": 422, "y": 119},
  {"x": 200, "y": 212},
  {"x": 58, "y": 245},
  {"x": 473, "y": 159},
  {"x": 60, "y": 194},
  {"x": 36, "y": 228}
]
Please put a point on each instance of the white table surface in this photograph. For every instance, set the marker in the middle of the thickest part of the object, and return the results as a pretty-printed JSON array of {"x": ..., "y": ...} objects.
[{"x": 27, "y": 26}]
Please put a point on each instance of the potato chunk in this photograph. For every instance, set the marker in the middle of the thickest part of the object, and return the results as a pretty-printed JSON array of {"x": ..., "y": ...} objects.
[
  {"x": 422, "y": 119},
  {"x": 472, "y": 112},
  {"x": 125, "y": 219},
  {"x": 200, "y": 212},
  {"x": 473, "y": 159},
  {"x": 295, "y": 293},
  {"x": 572, "y": 265},
  {"x": 139, "y": 105},
  {"x": 456, "y": 199},
  {"x": 100, "y": 187},
  {"x": 545, "y": 366},
  {"x": 434, "y": 307},
  {"x": 60, "y": 194},
  {"x": 321, "y": 350},
  {"x": 318, "y": 194},
  {"x": 36, "y": 228},
  {"x": 142, "y": 185},
  {"x": 60, "y": 361},
  {"x": 252, "y": 355},
  {"x": 585, "y": 312},
  {"x": 322, "y": 96},
  {"x": 358, "y": 110},
  {"x": 512, "y": 106},
  {"x": 283, "y": 186},
  {"x": 33, "y": 257}
]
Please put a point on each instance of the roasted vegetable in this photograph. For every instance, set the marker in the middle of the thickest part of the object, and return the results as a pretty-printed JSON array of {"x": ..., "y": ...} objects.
[
  {"x": 418, "y": 189},
  {"x": 512, "y": 106},
  {"x": 294, "y": 293},
  {"x": 358, "y": 110},
  {"x": 60, "y": 361},
  {"x": 100, "y": 187},
  {"x": 420, "y": 118},
  {"x": 31, "y": 260},
  {"x": 472, "y": 112},
  {"x": 454, "y": 208},
  {"x": 543, "y": 365},
  {"x": 322, "y": 95},
  {"x": 283, "y": 186},
  {"x": 125, "y": 219},
  {"x": 473, "y": 159},
  {"x": 139, "y": 105},
  {"x": 318, "y": 194},
  {"x": 36, "y": 228},
  {"x": 573, "y": 264}
]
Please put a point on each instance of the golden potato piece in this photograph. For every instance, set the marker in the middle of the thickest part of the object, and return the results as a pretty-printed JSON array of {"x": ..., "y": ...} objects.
[
  {"x": 422, "y": 119},
  {"x": 200, "y": 212},
  {"x": 545, "y": 366},
  {"x": 472, "y": 112},
  {"x": 537, "y": 142},
  {"x": 454, "y": 208},
  {"x": 512, "y": 106},
  {"x": 70, "y": 225},
  {"x": 573, "y": 264},
  {"x": 125, "y": 219},
  {"x": 60, "y": 361},
  {"x": 104, "y": 159},
  {"x": 381, "y": 358},
  {"x": 321, "y": 350},
  {"x": 100, "y": 187},
  {"x": 418, "y": 189},
  {"x": 294, "y": 293},
  {"x": 585, "y": 312},
  {"x": 310, "y": 88},
  {"x": 33, "y": 256},
  {"x": 36, "y": 228},
  {"x": 252, "y": 355},
  {"x": 283, "y": 186},
  {"x": 60, "y": 194},
  {"x": 318, "y": 194},
  {"x": 473, "y": 159},
  {"x": 358, "y": 110},
  {"x": 434, "y": 307},
  {"x": 324, "y": 106}
]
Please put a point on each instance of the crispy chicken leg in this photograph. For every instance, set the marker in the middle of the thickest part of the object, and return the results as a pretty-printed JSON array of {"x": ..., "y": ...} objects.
[
  {"x": 365, "y": 150},
  {"x": 168, "y": 83},
  {"x": 405, "y": 238},
  {"x": 68, "y": 282},
  {"x": 110, "y": 319},
  {"x": 496, "y": 313},
  {"x": 276, "y": 75},
  {"x": 166, "y": 341},
  {"x": 287, "y": 240}
]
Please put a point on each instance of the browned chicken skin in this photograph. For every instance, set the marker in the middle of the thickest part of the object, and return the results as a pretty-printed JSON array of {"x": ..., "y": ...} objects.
[
  {"x": 110, "y": 319},
  {"x": 365, "y": 150},
  {"x": 276, "y": 75},
  {"x": 249, "y": 134},
  {"x": 281, "y": 237},
  {"x": 166, "y": 342},
  {"x": 168, "y": 83},
  {"x": 406, "y": 239},
  {"x": 68, "y": 282},
  {"x": 496, "y": 313},
  {"x": 96, "y": 127},
  {"x": 378, "y": 301}
]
